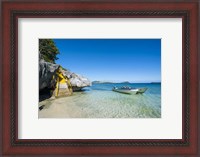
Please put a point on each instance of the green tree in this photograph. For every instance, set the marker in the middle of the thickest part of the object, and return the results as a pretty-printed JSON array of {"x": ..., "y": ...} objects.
[{"x": 48, "y": 50}]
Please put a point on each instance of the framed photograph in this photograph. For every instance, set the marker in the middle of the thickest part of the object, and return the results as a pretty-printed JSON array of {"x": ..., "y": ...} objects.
[{"x": 100, "y": 78}]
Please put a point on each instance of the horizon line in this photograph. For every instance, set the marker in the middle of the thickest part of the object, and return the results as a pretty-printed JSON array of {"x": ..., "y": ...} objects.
[{"x": 128, "y": 81}]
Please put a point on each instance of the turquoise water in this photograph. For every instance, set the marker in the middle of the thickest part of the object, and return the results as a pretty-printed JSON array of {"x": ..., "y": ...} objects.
[{"x": 99, "y": 101}]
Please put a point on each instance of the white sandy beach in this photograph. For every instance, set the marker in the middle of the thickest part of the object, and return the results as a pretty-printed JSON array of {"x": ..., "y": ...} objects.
[{"x": 60, "y": 108}]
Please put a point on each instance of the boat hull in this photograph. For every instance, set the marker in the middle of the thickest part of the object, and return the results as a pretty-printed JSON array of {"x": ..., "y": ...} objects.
[
  {"x": 141, "y": 90},
  {"x": 132, "y": 91},
  {"x": 124, "y": 91}
]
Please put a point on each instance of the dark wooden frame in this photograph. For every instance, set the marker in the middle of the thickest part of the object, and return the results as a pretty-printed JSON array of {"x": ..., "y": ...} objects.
[{"x": 188, "y": 11}]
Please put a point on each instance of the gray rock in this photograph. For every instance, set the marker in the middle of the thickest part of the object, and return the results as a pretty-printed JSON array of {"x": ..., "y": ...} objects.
[
  {"x": 77, "y": 81},
  {"x": 67, "y": 73},
  {"x": 46, "y": 72}
]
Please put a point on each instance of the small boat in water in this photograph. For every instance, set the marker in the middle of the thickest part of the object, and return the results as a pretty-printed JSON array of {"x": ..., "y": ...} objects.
[{"x": 129, "y": 90}]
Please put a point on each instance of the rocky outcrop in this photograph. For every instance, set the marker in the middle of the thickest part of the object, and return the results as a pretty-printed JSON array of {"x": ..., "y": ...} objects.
[
  {"x": 77, "y": 81},
  {"x": 46, "y": 72},
  {"x": 47, "y": 81}
]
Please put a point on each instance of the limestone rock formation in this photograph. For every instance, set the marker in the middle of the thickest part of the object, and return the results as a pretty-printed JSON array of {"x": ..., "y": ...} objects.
[
  {"x": 48, "y": 77},
  {"x": 46, "y": 72},
  {"x": 77, "y": 81}
]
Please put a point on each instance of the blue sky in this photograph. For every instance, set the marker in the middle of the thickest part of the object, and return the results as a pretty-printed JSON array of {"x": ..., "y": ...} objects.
[{"x": 134, "y": 60}]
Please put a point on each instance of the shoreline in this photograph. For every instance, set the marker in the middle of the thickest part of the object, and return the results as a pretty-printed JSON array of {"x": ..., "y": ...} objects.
[
  {"x": 57, "y": 108},
  {"x": 98, "y": 103}
]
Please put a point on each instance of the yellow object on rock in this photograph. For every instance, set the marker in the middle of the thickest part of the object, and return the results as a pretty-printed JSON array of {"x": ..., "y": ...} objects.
[{"x": 63, "y": 85}]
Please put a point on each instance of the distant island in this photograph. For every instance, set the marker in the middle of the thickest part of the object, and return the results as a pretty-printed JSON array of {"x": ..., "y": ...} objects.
[
  {"x": 127, "y": 82},
  {"x": 99, "y": 82},
  {"x": 155, "y": 82}
]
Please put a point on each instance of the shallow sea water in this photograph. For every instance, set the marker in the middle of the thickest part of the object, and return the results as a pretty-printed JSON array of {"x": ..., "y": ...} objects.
[{"x": 99, "y": 101}]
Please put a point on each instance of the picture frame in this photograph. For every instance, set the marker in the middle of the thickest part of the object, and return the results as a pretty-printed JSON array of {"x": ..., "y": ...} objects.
[{"x": 13, "y": 10}]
